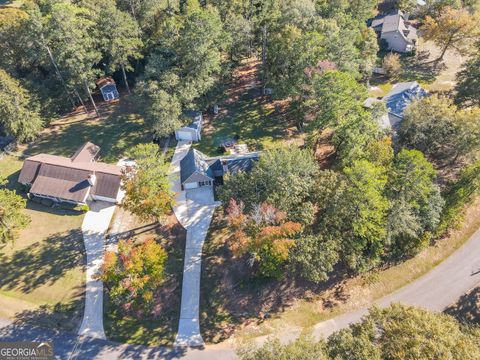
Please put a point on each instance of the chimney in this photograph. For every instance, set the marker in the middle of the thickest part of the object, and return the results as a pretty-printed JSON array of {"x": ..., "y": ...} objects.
[
  {"x": 92, "y": 179},
  {"x": 225, "y": 166}
]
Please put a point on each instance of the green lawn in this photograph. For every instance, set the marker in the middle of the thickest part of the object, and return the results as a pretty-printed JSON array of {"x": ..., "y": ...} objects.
[
  {"x": 116, "y": 132},
  {"x": 42, "y": 273}
]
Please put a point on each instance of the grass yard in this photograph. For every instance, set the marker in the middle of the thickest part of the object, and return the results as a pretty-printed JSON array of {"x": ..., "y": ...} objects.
[
  {"x": 42, "y": 273},
  {"x": 244, "y": 115},
  {"x": 115, "y": 132},
  {"x": 158, "y": 329},
  {"x": 229, "y": 305},
  {"x": 421, "y": 68}
]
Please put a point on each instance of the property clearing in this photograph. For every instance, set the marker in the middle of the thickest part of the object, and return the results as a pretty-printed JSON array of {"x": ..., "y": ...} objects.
[
  {"x": 246, "y": 116},
  {"x": 42, "y": 272}
]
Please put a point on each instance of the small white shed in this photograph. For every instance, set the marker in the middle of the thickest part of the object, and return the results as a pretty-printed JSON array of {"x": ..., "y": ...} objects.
[{"x": 191, "y": 132}]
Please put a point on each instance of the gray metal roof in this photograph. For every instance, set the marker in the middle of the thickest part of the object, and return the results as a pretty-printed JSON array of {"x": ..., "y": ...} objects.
[{"x": 402, "y": 95}]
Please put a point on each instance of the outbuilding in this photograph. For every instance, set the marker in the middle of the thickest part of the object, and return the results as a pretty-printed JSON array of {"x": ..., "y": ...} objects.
[
  {"x": 108, "y": 88},
  {"x": 192, "y": 131}
]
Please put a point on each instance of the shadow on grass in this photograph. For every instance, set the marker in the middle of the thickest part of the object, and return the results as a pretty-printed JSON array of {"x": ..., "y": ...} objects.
[
  {"x": 44, "y": 263},
  {"x": 61, "y": 316},
  {"x": 115, "y": 133},
  {"x": 467, "y": 308},
  {"x": 160, "y": 326}
]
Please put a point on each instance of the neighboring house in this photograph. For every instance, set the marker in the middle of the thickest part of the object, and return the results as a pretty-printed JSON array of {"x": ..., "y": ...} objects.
[
  {"x": 193, "y": 131},
  {"x": 72, "y": 180},
  {"x": 396, "y": 31},
  {"x": 396, "y": 101},
  {"x": 108, "y": 88},
  {"x": 197, "y": 170}
]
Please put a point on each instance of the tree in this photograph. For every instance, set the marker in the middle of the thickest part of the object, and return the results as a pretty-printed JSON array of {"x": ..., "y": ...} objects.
[
  {"x": 315, "y": 256},
  {"x": 70, "y": 38},
  {"x": 353, "y": 210},
  {"x": 454, "y": 28},
  {"x": 401, "y": 332},
  {"x": 185, "y": 63},
  {"x": 120, "y": 39},
  {"x": 146, "y": 185},
  {"x": 468, "y": 82},
  {"x": 397, "y": 332},
  {"x": 436, "y": 127},
  {"x": 133, "y": 276},
  {"x": 392, "y": 65},
  {"x": 264, "y": 234},
  {"x": 18, "y": 111},
  {"x": 335, "y": 100},
  {"x": 12, "y": 217},
  {"x": 416, "y": 202},
  {"x": 303, "y": 348},
  {"x": 283, "y": 177}
]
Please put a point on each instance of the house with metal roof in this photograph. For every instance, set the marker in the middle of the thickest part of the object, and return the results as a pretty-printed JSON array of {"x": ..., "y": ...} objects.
[
  {"x": 192, "y": 131},
  {"x": 396, "y": 31},
  {"x": 198, "y": 170},
  {"x": 73, "y": 180}
]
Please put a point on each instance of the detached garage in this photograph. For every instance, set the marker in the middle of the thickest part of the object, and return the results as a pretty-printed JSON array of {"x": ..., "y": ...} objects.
[{"x": 191, "y": 132}]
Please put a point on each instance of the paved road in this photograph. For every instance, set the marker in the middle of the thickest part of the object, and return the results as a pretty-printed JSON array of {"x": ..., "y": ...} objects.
[{"x": 94, "y": 226}]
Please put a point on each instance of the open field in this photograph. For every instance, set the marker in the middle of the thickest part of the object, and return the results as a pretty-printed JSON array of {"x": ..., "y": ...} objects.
[
  {"x": 42, "y": 273},
  {"x": 115, "y": 132},
  {"x": 229, "y": 307}
]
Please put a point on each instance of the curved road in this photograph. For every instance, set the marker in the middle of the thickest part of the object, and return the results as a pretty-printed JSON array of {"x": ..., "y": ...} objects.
[{"x": 434, "y": 291}]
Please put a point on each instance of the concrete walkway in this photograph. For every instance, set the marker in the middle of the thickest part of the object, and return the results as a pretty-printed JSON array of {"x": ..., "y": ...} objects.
[
  {"x": 94, "y": 227},
  {"x": 194, "y": 210}
]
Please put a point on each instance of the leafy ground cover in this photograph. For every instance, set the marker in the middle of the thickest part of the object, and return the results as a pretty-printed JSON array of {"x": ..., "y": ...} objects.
[
  {"x": 232, "y": 303},
  {"x": 245, "y": 115},
  {"x": 42, "y": 273}
]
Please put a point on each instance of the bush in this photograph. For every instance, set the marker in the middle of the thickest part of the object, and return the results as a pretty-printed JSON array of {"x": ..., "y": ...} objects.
[{"x": 392, "y": 65}]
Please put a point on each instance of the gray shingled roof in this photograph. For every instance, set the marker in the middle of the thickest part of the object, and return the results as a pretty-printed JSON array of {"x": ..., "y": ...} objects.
[{"x": 193, "y": 162}]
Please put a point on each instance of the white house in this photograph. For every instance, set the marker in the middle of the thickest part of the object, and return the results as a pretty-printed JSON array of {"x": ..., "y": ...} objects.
[
  {"x": 191, "y": 132},
  {"x": 396, "y": 31}
]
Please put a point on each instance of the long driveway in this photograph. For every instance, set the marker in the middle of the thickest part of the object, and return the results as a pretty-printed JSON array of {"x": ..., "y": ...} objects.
[
  {"x": 435, "y": 290},
  {"x": 94, "y": 227},
  {"x": 194, "y": 210}
]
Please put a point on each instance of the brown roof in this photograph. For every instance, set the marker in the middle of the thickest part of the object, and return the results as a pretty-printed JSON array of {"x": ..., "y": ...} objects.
[
  {"x": 106, "y": 185},
  {"x": 67, "y": 178},
  {"x": 61, "y": 188},
  {"x": 86, "y": 153},
  {"x": 104, "y": 81}
]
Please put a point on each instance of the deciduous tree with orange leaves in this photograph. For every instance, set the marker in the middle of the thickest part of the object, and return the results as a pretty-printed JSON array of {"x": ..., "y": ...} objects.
[
  {"x": 265, "y": 234},
  {"x": 134, "y": 274}
]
